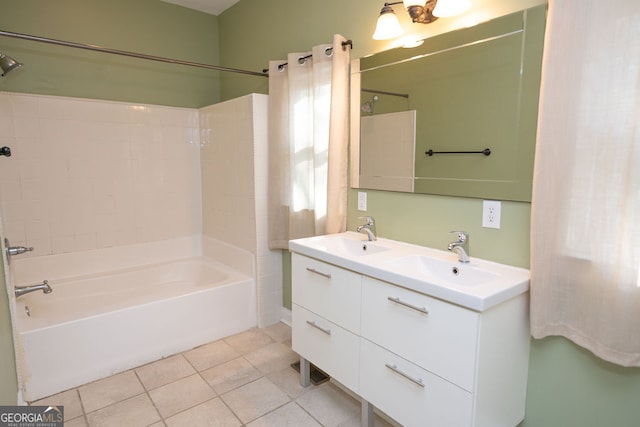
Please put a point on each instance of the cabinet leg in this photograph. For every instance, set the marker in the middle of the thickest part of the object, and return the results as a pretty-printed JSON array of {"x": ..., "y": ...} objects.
[
  {"x": 367, "y": 414},
  {"x": 305, "y": 372}
]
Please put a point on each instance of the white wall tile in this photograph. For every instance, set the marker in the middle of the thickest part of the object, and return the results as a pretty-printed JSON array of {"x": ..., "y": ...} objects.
[{"x": 87, "y": 174}]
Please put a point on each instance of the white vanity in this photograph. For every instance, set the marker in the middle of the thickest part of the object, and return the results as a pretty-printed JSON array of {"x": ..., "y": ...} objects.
[{"x": 427, "y": 340}]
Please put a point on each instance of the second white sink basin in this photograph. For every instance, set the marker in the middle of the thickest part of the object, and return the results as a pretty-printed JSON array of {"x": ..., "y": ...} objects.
[{"x": 465, "y": 274}]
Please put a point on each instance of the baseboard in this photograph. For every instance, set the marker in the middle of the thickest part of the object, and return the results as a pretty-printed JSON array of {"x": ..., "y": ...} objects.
[{"x": 286, "y": 316}]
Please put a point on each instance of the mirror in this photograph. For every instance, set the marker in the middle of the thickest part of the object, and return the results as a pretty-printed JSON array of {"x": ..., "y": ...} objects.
[{"x": 454, "y": 116}]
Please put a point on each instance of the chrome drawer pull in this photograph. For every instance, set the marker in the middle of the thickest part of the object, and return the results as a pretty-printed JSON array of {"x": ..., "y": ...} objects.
[
  {"x": 313, "y": 323},
  {"x": 406, "y": 304},
  {"x": 395, "y": 369},
  {"x": 313, "y": 270}
]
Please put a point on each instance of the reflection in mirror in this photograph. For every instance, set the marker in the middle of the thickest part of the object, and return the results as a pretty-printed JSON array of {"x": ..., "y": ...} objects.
[
  {"x": 388, "y": 166},
  {"x": 439, "y": 107}
]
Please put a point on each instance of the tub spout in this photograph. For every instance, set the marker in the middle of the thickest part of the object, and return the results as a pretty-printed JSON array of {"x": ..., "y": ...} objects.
[{"x": 44, "y": 287}]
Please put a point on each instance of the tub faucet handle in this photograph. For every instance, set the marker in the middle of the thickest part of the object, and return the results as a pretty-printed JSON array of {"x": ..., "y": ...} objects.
[
  {"x": 14, "y": 250},
  {"x": 17, "y": 250}
]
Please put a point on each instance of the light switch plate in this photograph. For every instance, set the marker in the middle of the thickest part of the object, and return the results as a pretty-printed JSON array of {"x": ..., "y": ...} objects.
[
  {"x": 491, "y": 213},
  {"x": 362, "y": 201}
]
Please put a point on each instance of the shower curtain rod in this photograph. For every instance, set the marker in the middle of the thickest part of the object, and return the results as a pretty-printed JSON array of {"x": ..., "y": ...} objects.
[
  {"x": 126, "y": 53},
  {"x": 345, "y": 43}
]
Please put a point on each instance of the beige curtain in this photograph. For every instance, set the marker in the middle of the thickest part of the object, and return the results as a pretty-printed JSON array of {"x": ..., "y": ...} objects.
[
  {"x": 585, "y": 229},
  {"x": 308, "y": 129}
]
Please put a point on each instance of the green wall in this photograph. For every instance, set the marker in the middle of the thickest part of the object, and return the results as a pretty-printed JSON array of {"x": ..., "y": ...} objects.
[
  {"x": 567, "y": 385},
  {"x": 149, "y": 27}
]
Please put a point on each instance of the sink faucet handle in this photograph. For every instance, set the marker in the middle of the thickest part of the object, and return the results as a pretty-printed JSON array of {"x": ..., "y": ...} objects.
[
  {"x": 370, "y": 220},
  {"x": 462, "y": 235}
]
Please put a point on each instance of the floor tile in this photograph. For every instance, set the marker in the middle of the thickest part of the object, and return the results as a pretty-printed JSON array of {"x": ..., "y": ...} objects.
[
  {"x": 76, "y": 422},
  {"x": 231, "y": 375},
  {"x": 210, "y": 355},
  {"x": 110, "y": 390},
  {"x": 164, "y": 371},
  {"x": 136, "y": 411},
  {"x": 255, "y": 399},
  {"x": 70, "y": 399},
  {"x": 279, "y": 332},
  {"x": 213, "y": 413},
  {"x": 271, "y": 358},
  {"x": 290, "y": 415},
  {"x": 288, "y": 380},
  {"x": 355, "y": 422},
  {"x": 249, "y": 341},
  {"x": 329, "y": 405},
  {"x": 180, "y": 395}
]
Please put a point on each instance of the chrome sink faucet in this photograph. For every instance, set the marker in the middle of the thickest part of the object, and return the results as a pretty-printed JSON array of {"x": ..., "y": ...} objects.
[
  {"x": 369, "y": 228},
  {"x": 460, "y": 246},
  {"x": 44, "y": 287}
]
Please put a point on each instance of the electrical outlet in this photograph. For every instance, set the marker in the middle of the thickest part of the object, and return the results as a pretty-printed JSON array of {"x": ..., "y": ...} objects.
[
  {"x": 491, "y": 213},
  {"x": 362, "y": 201}
]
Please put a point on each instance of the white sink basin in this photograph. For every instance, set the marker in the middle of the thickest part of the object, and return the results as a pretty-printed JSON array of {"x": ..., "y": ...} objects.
[
  {"x": 347, "y": 245},
  {"x": 465, "y": 274},
  {"x": 477, "y": 285}
]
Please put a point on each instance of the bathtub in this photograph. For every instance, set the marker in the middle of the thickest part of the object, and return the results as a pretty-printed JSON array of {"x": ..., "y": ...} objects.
[{"x": 96, "y": 324}]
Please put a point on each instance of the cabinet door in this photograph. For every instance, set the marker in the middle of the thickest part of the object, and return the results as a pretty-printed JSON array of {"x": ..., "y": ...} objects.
[
  {"x": 326, "y": 345},
  {"x": 410, "y": 394},
  {"x": 327, "y": 290},
  {"x": 439, "y": 336}
]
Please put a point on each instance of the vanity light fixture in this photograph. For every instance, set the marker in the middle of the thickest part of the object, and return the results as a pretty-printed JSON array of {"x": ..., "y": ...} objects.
[
  {"x": 7, "y": 64},
  {"x": 420, "y": 12},
  {"x": 388, "y": 25}
]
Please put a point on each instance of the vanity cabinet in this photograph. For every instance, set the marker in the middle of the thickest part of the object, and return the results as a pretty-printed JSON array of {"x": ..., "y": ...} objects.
[{"x": 421, "y": 360}]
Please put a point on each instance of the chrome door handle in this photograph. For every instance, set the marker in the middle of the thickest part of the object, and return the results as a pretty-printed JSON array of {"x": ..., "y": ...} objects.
[
  {"x": 320, "y": 328},
  {"x": 397, "y": 300},
  {"x": 314, "y": 271},
  {"x": 395, "y": 369}
]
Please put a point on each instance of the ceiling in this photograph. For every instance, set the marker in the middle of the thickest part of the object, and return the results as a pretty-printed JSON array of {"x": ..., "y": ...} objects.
[{"x": 213, "y": 7}]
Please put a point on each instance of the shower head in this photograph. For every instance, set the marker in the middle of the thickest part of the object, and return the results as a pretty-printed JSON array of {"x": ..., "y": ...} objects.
[
  {"x": 8, "y": 64},
  {"x": 367, "y": 107}
]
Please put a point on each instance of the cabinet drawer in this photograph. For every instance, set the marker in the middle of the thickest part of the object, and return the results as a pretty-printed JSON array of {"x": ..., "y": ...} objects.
[
  {"x": 411, "y": 395},
  {"x": 326, "y": 345},
  {"x": 431, "y": 333},
  {"x": 327, "y": 290}
]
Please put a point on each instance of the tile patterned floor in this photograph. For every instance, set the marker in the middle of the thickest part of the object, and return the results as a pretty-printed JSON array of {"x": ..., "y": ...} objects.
[{"x": 242, "y": 380}]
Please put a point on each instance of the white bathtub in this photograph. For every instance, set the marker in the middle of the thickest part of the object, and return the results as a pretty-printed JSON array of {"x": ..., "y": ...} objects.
[{"x": 94, "y": 325}]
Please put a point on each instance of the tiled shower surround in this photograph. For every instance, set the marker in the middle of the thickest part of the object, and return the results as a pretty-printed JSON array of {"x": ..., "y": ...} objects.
[
  {"x": 92, "y": 174},
  {"x": 88, "y": 174}
]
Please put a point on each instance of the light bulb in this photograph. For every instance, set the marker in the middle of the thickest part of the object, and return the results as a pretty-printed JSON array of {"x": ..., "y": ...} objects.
[{"x": 448, "y": 8}]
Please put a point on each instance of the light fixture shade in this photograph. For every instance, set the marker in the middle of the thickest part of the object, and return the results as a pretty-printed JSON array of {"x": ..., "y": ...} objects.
[
  {"x": 388, "y": 25},
  {"x": 448, "y": 8}
]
